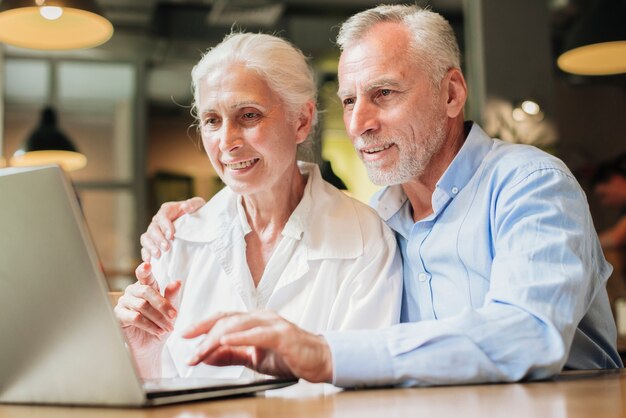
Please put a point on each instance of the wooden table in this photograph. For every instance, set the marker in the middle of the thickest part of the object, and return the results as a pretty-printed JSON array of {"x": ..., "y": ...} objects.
[{"x": 578, "y": 394}]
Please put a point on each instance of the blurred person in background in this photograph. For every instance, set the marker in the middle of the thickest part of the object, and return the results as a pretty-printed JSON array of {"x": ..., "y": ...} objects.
[{"x": 609, "y": 184}]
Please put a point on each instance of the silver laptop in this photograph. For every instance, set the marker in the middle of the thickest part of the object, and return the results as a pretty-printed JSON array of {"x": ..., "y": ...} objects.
[{"x": 60, "y": 342}]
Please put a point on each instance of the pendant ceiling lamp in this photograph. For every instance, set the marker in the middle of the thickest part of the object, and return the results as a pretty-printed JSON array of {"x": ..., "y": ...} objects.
[
  {"x": 596, "y": 44},
  {"x": 48, "y": 145},
  {"x": 53, "y": 24}
]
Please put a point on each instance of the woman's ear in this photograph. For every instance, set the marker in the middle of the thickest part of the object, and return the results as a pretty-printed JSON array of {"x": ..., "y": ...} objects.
[
  {"x": 304, "y": 122},
  {"x": 455, "y": 90}
]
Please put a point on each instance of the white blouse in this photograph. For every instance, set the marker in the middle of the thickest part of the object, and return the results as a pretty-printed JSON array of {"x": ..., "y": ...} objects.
[{"x": 336, "y": 267}]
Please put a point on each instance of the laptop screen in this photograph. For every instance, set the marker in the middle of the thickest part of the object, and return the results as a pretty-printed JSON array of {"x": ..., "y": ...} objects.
[{"x": 57, "y": 324}]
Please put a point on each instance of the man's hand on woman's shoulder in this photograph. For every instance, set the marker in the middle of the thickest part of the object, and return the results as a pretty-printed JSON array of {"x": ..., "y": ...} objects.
[{"x": 161, "y": 230}]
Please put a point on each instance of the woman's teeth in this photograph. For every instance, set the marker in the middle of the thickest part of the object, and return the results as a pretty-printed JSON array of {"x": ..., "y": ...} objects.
[{"x": 242, "y": 164}]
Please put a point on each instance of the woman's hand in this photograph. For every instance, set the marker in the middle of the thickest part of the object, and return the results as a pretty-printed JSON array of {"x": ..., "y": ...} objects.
[
  {"x": 161, "y": 230},
  {"x": 146, "y": 317}
]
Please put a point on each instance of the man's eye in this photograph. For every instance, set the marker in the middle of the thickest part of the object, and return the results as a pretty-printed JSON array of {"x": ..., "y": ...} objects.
[
  {"x": 250, "y": 115},
  {"x": 348, "y": 102},
  {"x": 385, "y": 92}
]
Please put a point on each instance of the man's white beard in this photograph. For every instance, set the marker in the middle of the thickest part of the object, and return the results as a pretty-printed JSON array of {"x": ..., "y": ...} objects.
[{"x": 412, "y": 160}]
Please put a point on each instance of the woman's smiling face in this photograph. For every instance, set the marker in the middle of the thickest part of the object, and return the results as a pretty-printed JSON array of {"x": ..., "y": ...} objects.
[{"x": 246, "y": 130}]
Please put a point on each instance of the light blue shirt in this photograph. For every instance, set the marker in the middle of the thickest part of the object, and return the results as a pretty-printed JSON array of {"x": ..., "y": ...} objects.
[{"x": 506, "y": 279}]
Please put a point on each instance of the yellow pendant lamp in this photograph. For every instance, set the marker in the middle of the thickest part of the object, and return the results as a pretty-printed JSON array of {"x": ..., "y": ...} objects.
[
  {"x": 596, "y": 44},
  {"x": 53, "y": 24}
]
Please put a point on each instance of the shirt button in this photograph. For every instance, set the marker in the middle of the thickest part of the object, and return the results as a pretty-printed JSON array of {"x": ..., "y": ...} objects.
[
  {"x": 455, "y": 190},
  {"x": 422, "y": 277}
]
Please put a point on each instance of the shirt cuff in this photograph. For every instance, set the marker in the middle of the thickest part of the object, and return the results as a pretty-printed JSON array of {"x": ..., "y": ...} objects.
[{"x": 360, "y": 358}]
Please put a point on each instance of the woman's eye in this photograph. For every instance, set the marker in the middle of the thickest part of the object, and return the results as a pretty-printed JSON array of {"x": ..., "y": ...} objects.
[
  {"x": 210, "y": 122},
  {"x": 250, "y": 115}
]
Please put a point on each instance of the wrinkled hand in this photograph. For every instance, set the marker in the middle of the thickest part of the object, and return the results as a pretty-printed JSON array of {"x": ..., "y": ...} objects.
[
  {"x": 161, "y": 230},
  {"x": 262, "y": 341},
  {"x": 147, "y": 317}
]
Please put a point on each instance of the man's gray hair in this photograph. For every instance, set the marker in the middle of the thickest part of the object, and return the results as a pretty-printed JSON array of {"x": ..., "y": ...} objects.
[
  {"x": 278, "y": 62},
  {"x": 432, "y": 39}
]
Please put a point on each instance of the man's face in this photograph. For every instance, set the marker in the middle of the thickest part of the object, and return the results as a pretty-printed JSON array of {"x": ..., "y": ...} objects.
[
  {"x": 612, "y": 192},
  {"x": 393, "y": 115}
]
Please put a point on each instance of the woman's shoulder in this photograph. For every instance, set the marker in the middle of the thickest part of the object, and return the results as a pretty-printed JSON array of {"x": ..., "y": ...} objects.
[
  {"x": 368, "y": 220},
  {"x": 365, "y": 211},
  {"x": 203, "y": 224}
]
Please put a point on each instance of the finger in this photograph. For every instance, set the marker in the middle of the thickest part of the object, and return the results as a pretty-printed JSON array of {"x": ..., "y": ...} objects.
[
  {"x": 132, "y": 318},
  {"x": 161, "y": 232},
  {"x": 230, "y": 322},
  {"x": 145, "y": 255},
  {"x": 157, "y": 237},
  {"x": 143, "y": 272},
  {"x": 224, "y": 326},
  {"x": 171, "y": 292},
  {"x": 149, "y": 244},
  {"x": 204, "y": 350},
  {"x": 193, "y": 204},
  {"x": 205, "y": 326},
  {"x": 230, "y": 356},
  {"x": 167, "y": 214},
  {"x": 261, "y": 337},
  {"x": 149, "y": 302},
  {"x": 150, "y": 313}
]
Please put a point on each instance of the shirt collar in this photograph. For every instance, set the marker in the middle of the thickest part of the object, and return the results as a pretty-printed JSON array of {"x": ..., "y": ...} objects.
[
  {"x": 390, "y": 200},
  {"x": 328, "y": 218},
  {"x": 465, "y": 163},
  {"x": 322, "y": 213}
]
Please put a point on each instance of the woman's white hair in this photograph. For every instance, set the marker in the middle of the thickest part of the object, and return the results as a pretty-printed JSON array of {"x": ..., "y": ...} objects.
[
  {"x": 278, "y": 62},
  {"x": 433, "y": 43}
]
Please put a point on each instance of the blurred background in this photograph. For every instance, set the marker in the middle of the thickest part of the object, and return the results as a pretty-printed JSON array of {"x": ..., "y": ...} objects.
[{"x": 124, "y": 105}]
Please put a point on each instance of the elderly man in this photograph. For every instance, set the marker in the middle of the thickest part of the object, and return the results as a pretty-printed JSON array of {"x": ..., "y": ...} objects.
[{"x": 504, "y": 278}]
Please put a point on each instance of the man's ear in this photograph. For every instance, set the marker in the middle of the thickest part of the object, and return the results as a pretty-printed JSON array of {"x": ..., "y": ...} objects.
[
  {"x": 454, "y": 89},
  {"x": 304, "y": 122}
]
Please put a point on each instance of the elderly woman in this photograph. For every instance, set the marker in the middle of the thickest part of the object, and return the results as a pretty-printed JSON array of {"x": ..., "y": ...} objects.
[{"x": 277, "y": 237}]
